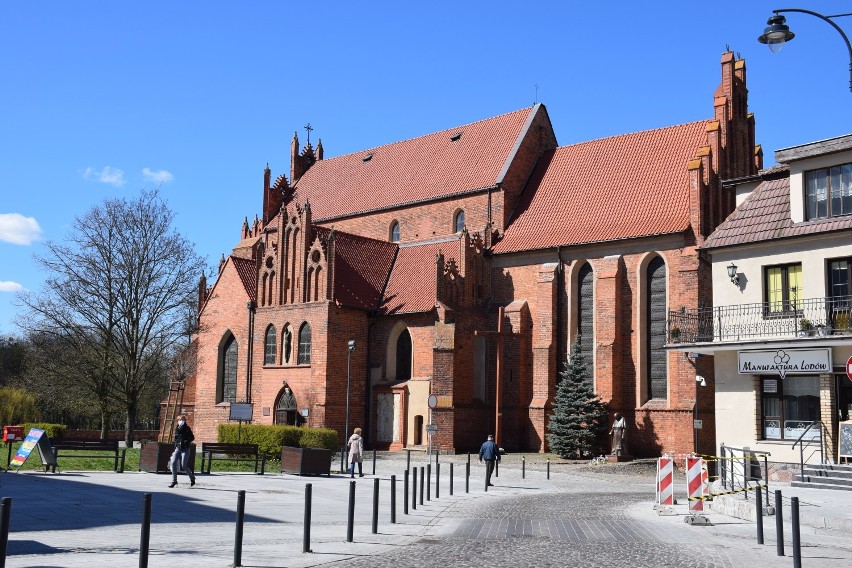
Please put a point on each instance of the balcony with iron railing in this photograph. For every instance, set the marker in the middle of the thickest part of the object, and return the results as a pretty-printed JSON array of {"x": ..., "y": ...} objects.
[{"x": 803, "y": 318}]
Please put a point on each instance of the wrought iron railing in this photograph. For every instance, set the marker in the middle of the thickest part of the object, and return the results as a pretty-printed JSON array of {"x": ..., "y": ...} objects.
[
  {"x": 766, "y": 320},
  {"x": 805, "y": 442}
]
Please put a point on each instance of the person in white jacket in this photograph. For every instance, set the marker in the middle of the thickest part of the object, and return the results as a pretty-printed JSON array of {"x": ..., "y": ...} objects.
[{"x": 356, "y": 452}]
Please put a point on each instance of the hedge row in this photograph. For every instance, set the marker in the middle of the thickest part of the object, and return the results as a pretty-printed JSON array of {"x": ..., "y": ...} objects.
[
  {"x": 270, "y": 439},
  {"x": 53, "y": 431}
]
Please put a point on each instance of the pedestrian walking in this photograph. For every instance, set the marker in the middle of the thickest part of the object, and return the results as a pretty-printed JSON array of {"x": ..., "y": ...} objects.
[
  {"x": 180, "y": 457},
  {"x": 356, "y": 452},
  {"x": 491, "y": 454}
]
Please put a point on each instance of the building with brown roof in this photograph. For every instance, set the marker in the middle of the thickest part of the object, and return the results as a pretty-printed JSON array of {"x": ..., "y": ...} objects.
[
  {"x": 415, "y": 249},
  {"x": 779, "y": 327}
]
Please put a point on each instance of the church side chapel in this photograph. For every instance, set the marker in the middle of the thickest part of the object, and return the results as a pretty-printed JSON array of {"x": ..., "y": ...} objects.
[{"x": 428, "y": 266}]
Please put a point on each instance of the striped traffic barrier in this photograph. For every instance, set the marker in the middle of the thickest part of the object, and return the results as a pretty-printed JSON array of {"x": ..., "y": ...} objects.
[
  {"x": 731, "y": 492},
  {"x": 665, "y": 481},
  {"x": 694, "y": 484},
  {"x": 705, "y": 480}
]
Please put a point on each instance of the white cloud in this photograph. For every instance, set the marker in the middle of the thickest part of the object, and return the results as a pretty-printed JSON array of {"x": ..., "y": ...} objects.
[
  {"x": 108, "y": 174},
  {"x": 18, "y": 230},
  {"x": 9, "y": 286},
  {"x": 158, "y": 176}
]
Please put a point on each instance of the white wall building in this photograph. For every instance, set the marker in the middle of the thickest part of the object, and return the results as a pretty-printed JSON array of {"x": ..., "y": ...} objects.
[{"x": 779, "y": 330}]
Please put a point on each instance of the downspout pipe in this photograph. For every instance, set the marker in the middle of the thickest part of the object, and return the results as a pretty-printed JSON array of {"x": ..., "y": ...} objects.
[{"x": 250, "y": 306}]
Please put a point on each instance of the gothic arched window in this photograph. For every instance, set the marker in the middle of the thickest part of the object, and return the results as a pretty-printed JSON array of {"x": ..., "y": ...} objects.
[
  {"x": 226, "y": 388},
  {"x": 304, "y": 345},
  {"x": 269, "y": 345},
  {"x": 656, "y": 355},
  {"x": 394, "y": 232},
  {"x": 458, "y": 222},
  {"x": 586, "y": 316},
  {"x": 403, "y": 356}
]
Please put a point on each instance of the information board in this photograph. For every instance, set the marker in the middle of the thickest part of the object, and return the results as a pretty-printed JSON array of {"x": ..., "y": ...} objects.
[
  {"x": 241, "y": 411},
  {"x": 35, "y": 439},
  {"x": 844, "y": 440}
]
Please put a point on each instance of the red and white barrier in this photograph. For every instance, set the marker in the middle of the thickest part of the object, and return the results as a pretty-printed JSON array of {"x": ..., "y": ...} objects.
[
  {"x": 665, "y": 481},
  {"x": 695, "y": 479}
]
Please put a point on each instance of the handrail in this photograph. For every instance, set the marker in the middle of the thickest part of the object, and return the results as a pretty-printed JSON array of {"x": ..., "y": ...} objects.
[
  {"x": 802, "y": 447},
  {"x": 747, "y": 456}
]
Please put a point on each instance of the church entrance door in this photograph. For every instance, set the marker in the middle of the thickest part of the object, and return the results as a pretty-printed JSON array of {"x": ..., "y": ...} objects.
[{"x": 286, "y": 411}]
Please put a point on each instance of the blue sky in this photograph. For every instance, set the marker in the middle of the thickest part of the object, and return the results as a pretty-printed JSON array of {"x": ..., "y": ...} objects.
[{"x": 102, "y": 99}]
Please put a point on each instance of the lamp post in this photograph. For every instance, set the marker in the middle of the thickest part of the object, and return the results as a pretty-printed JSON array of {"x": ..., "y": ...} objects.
[
  {"x": 348, "y": 375},
  {"x": 777, "y": 32}
]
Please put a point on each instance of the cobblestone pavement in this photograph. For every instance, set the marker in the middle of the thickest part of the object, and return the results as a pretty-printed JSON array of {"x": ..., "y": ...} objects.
[{"x": 590, "y": 519}]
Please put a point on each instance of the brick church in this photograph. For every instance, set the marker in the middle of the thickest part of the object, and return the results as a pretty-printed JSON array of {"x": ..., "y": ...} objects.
[{"x": 420, "y": 251}]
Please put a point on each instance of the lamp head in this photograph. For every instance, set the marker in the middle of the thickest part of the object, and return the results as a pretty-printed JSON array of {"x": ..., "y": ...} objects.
[
  {"x": 701, "y": 380},
  {"x": 732, "y": 274},
  {"x": 776, "y": 33},
  {"x": 351, "y": 345}
]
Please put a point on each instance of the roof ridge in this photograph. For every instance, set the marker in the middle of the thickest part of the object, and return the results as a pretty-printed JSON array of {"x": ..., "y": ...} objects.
[
  {"x": 367, "y": 150},
  {"x": 660, "y": 129}
]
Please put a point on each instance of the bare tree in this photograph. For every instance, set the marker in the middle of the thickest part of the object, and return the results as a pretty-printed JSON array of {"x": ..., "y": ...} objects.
[{"x": 115, "y": 297}]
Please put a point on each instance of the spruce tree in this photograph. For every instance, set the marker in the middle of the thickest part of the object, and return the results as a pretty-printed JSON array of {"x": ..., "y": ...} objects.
[{"x": 578, "y": 414}]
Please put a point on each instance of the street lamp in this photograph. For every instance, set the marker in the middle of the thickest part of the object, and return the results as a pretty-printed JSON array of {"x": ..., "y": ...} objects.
[
  {"x": 777, "y": 32},
  {"x": 348, "y": 375}
]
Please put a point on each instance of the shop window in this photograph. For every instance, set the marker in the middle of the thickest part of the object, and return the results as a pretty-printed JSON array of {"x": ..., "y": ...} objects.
[{"x": 789, "y": 406}]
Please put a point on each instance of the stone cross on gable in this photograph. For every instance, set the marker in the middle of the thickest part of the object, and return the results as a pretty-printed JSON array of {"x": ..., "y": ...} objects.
[
  {"x": 500, "y": 334},
  {"x": 308, "y": 127}
]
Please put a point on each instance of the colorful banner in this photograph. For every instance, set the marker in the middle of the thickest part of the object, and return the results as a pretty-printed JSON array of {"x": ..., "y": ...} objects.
[{"x": 30, "y": 442}]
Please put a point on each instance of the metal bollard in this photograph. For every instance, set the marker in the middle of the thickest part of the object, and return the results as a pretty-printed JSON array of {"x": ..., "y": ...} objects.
[
  {"x": 405, "y": 493},
  {"x": 350, "y": 518},
  {"x": 451, "y": 478},
  {"x": 467, "y": 477},
  {"x": 523, "y": 467},
  {"x": 497, "y": 466},
  {"x": 238, "y": 535},
  {"x": 428, "y": 481},
  {"x": 393, "y": 499},
  {"x": 548, "y": 469},
  {"x": 408, "y": 460},
  {"x": 422, "y": 481},
  {"x": 306, "y": 535},
  {"x": 797, "y": 540},
  {"x": 436, "y": 457},
  {"x": 468, "y": 459},
  {"x": 5, "y": 516},
  {"x": 486, "y": 477},
  {"x": 414, "y": 490},
  {"x": 374, "y": 462},
  {"x": 759, "y": 510},
  {"x": 437, "y": 481},
  {"x": 146, "y": 530},
  {"x": 779, "y": 524},
  {"x": 376, "y": 505}
]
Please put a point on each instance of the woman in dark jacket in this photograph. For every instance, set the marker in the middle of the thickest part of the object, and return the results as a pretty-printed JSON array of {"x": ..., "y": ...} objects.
[{"x": 180, "y": 457}]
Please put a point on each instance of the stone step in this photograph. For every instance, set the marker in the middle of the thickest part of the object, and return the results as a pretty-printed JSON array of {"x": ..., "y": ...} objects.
[
  {"x": 823, "y": 480},
  {"x": 814, "y": 485},
  {"x": 822, "y": 472}
]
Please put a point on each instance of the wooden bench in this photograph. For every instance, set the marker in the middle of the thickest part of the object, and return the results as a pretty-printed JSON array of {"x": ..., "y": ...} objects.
[
  {"x": 90, "y": 446},
  {"x": 231, "y": 452}
]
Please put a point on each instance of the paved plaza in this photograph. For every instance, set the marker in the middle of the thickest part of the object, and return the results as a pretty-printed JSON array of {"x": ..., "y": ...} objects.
[{"x": 583, "y": 516}]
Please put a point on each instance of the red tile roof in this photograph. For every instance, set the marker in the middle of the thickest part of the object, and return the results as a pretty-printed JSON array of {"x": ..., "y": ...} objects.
[
  {"x": 428, "y": 167},
  {"x": 361, "y": 268},
  {"x": 615, "y": 188},
  {"x": 411, "y": 287},
  {"x": 247, "y": 270},
  {"x": 765, "y": 215}
]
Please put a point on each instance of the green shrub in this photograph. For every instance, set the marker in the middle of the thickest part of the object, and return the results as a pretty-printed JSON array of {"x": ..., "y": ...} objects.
[
  {"x": 53, "y": 431},
  {"x": 319, "y": 438},
  {"x": 271, "y": 438}
]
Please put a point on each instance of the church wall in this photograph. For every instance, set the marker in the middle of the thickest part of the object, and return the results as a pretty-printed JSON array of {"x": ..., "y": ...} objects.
[
  {"x": 225, "y": 310},
  {"x": 659, "y": 425},
  {"x": 419, "y": 222}
]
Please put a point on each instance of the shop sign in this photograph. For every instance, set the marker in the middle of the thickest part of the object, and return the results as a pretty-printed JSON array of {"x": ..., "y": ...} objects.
[{"x": 783, "y": 361}]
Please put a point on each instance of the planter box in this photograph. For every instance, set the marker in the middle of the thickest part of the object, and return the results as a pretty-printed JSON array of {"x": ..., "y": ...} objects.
[
  {"x": 154, "y": 457},
  {"x": 306, "y": 461}
]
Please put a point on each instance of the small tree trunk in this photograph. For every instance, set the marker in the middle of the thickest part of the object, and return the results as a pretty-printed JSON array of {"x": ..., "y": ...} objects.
[{"x": 129, "y": 424}]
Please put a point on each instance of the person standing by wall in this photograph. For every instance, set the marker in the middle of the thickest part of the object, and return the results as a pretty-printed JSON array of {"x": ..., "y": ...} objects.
[
  {"x": 180, "y": 457},
  {"x": 491, "y": 454},
  {"x": 356, "y": 452}
]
